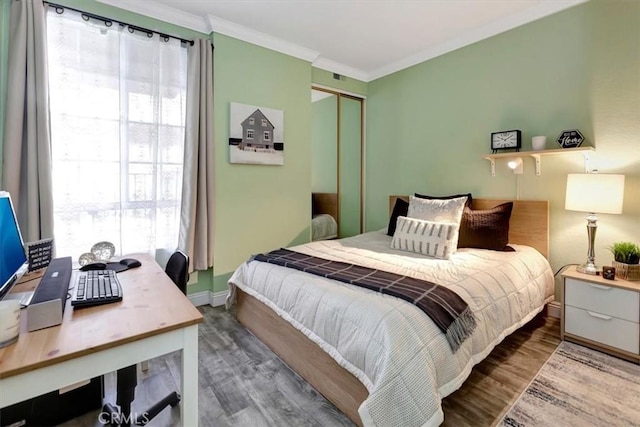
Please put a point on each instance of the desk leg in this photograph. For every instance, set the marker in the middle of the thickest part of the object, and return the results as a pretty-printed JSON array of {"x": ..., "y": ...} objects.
[{"x": 189, "y": 402}]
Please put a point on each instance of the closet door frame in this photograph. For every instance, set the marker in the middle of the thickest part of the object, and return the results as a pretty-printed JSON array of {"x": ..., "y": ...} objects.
[{"x": 359, "y": 98}]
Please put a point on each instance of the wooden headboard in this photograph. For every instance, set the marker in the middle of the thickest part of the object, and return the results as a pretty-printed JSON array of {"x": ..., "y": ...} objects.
[
  {"x": 325, "y": 203},
  {"x": 529, "y": 224}
]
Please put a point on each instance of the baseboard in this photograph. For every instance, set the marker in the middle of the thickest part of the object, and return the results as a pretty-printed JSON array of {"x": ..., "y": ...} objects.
[
  {"x": 199, "y": 298},
  {"x": 207, "y": 297},
  {"x": 218, "y": 298},
  {"x": 554, "y": 308}
]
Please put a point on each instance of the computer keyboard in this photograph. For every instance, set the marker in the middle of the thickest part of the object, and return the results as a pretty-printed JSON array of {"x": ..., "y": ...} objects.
[{"x": 95, "y": 287}]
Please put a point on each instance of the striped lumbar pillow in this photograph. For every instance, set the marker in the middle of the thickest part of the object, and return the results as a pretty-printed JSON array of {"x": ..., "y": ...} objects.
[{"x": 431, "y": 238}]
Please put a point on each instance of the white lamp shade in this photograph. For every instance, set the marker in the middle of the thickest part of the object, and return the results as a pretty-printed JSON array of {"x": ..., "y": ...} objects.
[{"x": 595, "y": 192}]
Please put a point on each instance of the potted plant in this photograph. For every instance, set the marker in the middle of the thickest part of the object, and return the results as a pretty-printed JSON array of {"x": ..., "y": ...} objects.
[{"x": 626, "y": 257}]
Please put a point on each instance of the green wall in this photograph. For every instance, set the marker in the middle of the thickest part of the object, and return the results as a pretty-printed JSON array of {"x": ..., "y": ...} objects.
[
  {"x": 429, "y": 125},
  {"x": 259, "y": 208}
]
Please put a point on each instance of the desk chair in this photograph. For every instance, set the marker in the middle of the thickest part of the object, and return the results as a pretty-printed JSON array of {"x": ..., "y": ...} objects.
[
  {"x": 127, "y": 378},
  {"x": 178, "y": 269}
]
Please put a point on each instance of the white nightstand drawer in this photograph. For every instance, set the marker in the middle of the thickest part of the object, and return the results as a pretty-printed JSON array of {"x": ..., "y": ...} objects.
[
  {"x": 620, "y": 303},
  {"x": 601, "y": 328}
]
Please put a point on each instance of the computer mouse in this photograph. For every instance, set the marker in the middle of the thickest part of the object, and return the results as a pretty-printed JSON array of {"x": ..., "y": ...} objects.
[
  {"x": 93, "y": 266},
  {"x": 130, "y": 262}
]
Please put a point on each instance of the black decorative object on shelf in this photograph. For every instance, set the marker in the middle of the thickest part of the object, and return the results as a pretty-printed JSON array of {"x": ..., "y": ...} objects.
[
  {"x": 571, "y": 138},
  {"x": 608, "y": 273},
  {"x": 506, "y": 140}
]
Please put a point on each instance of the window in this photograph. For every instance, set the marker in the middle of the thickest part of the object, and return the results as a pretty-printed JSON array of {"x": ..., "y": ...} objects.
[
  {"x": 266, "y": 135},
  {"x": 252, "y": 121},
  {"x": 264, "y": 123},
  {"x": 249, "y": 133},
  {"x": 117, "y": 134}
]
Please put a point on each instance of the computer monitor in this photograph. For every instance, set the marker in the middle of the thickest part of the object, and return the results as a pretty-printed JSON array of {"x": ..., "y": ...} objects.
[{"x": 13, "y": 259}]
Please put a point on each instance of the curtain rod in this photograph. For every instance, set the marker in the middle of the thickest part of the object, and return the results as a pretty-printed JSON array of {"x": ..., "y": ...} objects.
[{"x": 109, "y": 21}]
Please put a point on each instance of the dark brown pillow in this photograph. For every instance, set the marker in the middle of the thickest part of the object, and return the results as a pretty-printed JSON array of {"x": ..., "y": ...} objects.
[
  {"x": 455, "y": 196},
  {"x": 401, "y": 208},
  {"x": 486, "y": 229}
]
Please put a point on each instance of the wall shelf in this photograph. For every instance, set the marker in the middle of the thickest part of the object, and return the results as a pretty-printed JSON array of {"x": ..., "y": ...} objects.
[{"x": 536, "y": 155}]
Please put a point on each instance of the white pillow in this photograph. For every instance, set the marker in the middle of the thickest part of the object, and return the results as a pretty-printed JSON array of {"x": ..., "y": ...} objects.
[
  {"x": 431, "y": 238},
  {"x": 440, "y": 210}
]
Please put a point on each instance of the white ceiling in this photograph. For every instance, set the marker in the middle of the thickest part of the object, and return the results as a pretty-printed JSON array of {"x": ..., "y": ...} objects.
[{"x": 362, "y": 39}]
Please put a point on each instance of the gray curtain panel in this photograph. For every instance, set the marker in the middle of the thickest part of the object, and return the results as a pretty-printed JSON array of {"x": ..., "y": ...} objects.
[
  {"x": 196, "y": 215},
  {"x": 27, "y": 144}
]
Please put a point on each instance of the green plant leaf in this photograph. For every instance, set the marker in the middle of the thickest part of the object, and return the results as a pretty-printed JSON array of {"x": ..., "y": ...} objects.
[{"x": 626, "y": 252}]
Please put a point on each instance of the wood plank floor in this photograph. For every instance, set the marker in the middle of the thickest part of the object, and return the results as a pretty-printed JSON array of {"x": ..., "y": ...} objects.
[
  {"x": 497, "y": 382},
  {"x": 242, "y": 383}
]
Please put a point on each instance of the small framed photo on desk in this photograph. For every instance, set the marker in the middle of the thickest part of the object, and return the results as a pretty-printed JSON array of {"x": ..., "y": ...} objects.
[{"x": 39, "y": 254}]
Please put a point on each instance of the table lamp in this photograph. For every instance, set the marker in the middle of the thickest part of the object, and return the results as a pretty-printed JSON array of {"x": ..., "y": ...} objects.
[{"x": 594, "y": 193}]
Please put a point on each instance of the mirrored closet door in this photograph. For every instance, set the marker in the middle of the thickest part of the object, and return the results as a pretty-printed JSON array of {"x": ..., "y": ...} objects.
[{"x": 337, "y": 158}]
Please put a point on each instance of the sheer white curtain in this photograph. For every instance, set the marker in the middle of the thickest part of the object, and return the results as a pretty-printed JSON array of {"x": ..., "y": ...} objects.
[{"x": 117, "y": 130}]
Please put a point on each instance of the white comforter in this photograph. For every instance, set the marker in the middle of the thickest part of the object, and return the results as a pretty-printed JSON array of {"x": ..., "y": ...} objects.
[{"x": 391, "y": 346}]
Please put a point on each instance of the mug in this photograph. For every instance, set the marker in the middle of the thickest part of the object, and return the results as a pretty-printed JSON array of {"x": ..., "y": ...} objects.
[
  {"x": 538, "y": 143},
  {"x": 9, "y": 322}
]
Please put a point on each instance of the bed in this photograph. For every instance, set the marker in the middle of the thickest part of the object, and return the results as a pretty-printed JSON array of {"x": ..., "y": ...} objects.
[
  {"x": 324, "y": 214},
  {"x": 377, "y": 358}
]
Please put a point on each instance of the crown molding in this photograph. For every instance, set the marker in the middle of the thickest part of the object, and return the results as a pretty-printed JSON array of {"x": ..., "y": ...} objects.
[
  {"x": 162, "y": 12},
  {"x": 215, "y": 24},
  {"x": 337, "y": 67},
  {"x": 218, "y": 25},
  {"x": 240, "y": 32},
  {"x": 493, "y": 28},
  {"x": 211, "y": 24}
]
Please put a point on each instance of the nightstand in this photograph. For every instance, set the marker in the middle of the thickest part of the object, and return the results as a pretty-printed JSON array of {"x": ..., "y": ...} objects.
[{"x": 601, "y": 314}]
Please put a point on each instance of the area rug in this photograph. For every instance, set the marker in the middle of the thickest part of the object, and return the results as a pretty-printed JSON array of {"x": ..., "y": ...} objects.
[{"x": 578, "y": 386}]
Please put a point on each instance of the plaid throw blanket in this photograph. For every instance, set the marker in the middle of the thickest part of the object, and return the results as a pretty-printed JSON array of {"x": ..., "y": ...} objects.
[{"x": 452, "y": 315}]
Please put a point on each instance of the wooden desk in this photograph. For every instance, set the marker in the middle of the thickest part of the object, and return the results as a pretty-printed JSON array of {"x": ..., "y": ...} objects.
[{"x": 153, "y": 318}]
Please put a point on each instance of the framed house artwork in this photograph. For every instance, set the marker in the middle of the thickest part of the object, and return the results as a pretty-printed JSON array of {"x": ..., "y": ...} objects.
[{"x": 256, "y": 135}]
